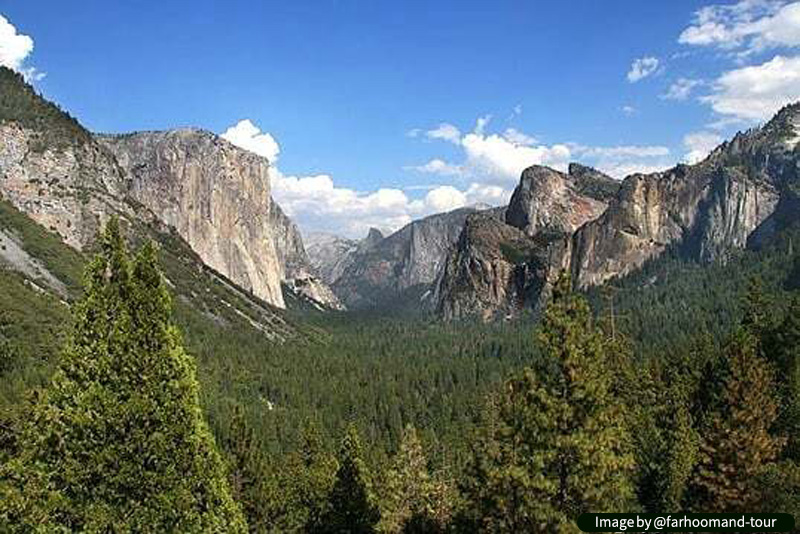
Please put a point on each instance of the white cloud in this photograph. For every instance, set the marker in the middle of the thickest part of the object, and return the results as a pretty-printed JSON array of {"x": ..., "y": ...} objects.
[
  {"x": 498, "y": 160},
  {"x": 515, "y": 136},
  {"x": 748, "y": 25},
  {"x": 491, "y": 158},
  {"x": 14, "y": 49},
  {"x": 247, "y": 135},
  {"x": 502, "y": 160},
  {"x": 755, "y": 93},
  {"x": 620, "y": 161},
  {"x": 487, "y": 194},
  {"x": 621, "y": 169},
  {"x": 445, "y": 198},
  {"x": 481, "y": 123},
  {"x": 316, "y": 203},
  {"x": 437, "y": 166},
  {"x": 624, "y": 151},
  {"x": 628, "y": 110},
  {"x": 642, "y": 68},
  {"x": 699, "y": 144},
  {"x": 681, "y": 89},
  {"x": 446, "y": 132}
]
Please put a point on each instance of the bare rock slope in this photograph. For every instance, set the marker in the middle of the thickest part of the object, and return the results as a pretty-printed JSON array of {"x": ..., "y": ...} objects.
[{"x": 600, "y": 229}]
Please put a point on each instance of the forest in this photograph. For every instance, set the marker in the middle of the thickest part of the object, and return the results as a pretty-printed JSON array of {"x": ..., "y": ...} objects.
[{"x": 675, "y": 388}]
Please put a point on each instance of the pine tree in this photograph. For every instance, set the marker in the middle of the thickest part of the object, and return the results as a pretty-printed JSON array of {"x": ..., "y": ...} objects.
[
  {"x": 308, "y": 477},
  {"x": 757, "y": 318},
  {"x": 557, "y": 446},
  {"x": 681, "y": 459},
  {"x": 737, "y": 445},
  {"x": 117, "y": 442},
  {"x": 412, "y": 498},
  {"x": 788, "y": 360},
  {"x": 351, "y": 509},
  {"x": 247, "y": 470}
]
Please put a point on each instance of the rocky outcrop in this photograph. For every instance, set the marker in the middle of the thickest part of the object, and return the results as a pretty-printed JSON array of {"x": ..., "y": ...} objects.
[
  {"x": 216, "y": 195},
  {"x": 496, "y": 271},
  {"x": 292, "y": 257},
  {"x": 52, "y": 169},
  {"x": 380, "y": 269},
  {"x": 329, "y": 254},
  {"x": 738, "y": 196},
  {"x": 297, "y": 273},
  {"x": 546, "y": 199},
  {"x": 503, "y": 265}
]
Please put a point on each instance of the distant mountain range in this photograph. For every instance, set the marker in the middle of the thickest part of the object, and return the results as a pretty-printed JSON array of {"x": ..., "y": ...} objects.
[{"x": 215, "y": 198}]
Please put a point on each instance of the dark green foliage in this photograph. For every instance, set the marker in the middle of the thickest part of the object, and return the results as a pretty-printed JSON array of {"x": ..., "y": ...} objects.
[
  {"x": 512, "y": 254},
  {"x": 556, "y": 444},
  {"x": 787, "y": 348},
  {"x": 117, "y": 441},
  {"x": 304, "y": 480},
  {"x": 351, "y": 508},
  {"x": 737, "y": 444},
  {"x": 20, "y": 103}
]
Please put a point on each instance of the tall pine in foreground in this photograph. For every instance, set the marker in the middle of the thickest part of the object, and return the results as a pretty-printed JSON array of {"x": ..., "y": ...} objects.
[
  {"x": 413, "y": 501},
  {"x": 737, "y": 444},
  {"x": 117, "y": 442},
  {"x": 351, "y": 508},
  {"x": 556, "y": 445}
]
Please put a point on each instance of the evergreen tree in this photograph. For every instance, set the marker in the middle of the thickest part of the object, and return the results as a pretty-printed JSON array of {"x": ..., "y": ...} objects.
[
  {"x": 681, "y": 458},
  {"x": 758, "y": 318},
  {"x": 737, "y": 444},
  {"x": 788, "y": 359},
  {"x": 248, "y": 472},
  {"x": 412, "y": 498},
  {"x": 117, "y": 442},
  {"x": 557, "y": 446},
  {"x": 8, "y": 352},
  {"x": 351, "y": 509},
  {"x": 307, "y": 479}
]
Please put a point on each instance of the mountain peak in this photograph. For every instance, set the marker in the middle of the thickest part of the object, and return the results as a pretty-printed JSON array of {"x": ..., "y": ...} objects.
[{"x": 374, "y": 236}]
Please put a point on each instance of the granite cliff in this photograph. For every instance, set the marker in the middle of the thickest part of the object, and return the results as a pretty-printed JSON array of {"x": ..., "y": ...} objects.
[
  {"x": 216, "y": 195},
  {"x": 381, "y": 268},
  {"x": 52, "y": 169},
  {"x": 600, "y": 229},
  {"x": 501, "y": 266}
]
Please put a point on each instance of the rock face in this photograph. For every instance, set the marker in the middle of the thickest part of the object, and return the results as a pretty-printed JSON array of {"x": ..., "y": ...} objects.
[
  {"x": 292, "y": 257},
  {"x": 216, "y": 195},
  {"x": 382, "y": 268},
  {"x": 495, "y": 271},
  {"x": 503, "y": 266},
  {"x": 330, "y": 254},
  {"x": 297, "y": 272},
  {"x": 738, "y": 194},
  {"x": 583, "y": 221},
  {"x": 52, "y": 169},
  {"x": 546, "y": 199}
]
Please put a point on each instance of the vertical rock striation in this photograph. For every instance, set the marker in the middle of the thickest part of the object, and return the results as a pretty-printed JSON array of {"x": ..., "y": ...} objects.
[{"x": 216, "y": 195}]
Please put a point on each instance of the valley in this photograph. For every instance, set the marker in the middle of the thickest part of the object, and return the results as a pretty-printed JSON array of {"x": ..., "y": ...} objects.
[{"x": 162, "y": 315}]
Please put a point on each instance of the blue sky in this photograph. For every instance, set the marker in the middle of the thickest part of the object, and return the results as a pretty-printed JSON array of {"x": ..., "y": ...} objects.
[{"x": 379, "y": 112}]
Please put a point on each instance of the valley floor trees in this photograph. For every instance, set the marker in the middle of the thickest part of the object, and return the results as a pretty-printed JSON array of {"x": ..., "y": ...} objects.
[{"x": 589, "y": 420}]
